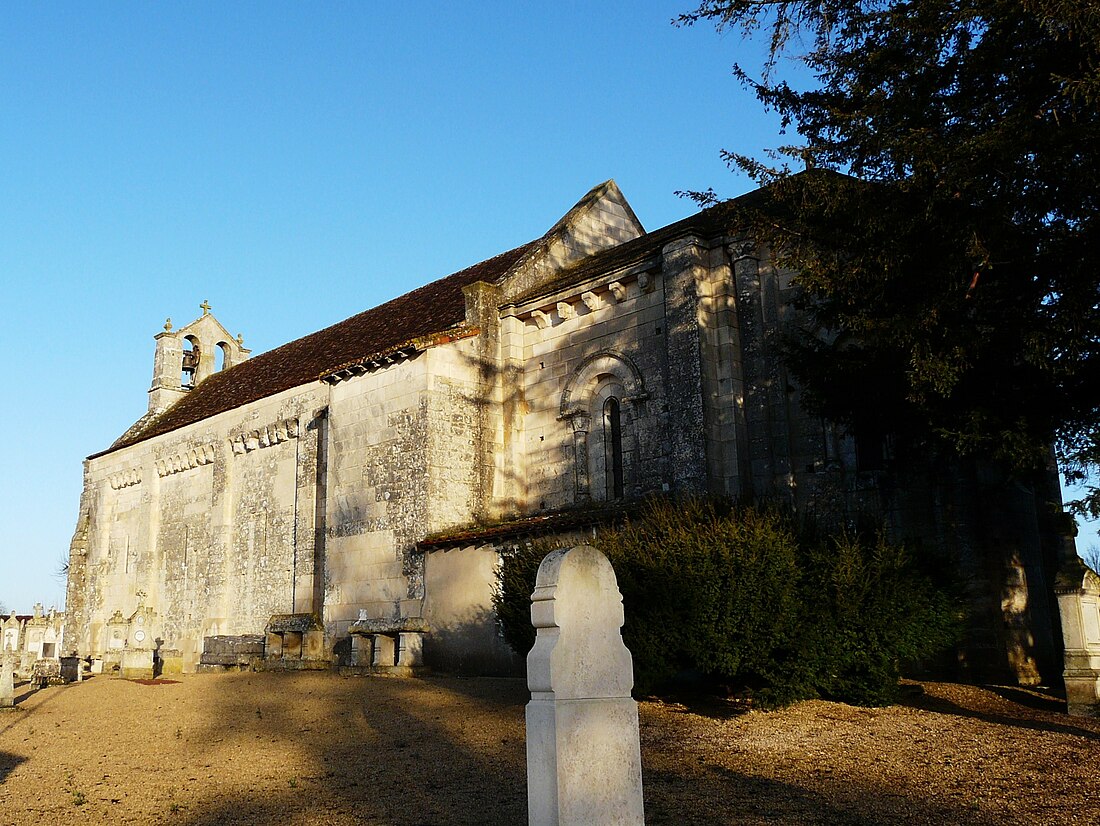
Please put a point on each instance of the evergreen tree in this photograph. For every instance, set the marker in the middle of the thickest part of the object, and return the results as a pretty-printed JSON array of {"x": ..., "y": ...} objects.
[{"x": 952, "y": 271}]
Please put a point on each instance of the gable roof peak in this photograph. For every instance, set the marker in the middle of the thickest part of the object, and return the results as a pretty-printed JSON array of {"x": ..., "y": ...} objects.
[
  {"x": 605, "y": 197},
  {"x": 601, "y": 220}
]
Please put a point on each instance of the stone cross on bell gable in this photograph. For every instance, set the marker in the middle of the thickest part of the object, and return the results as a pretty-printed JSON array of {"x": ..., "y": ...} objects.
[{"x": 205, "y": 307}]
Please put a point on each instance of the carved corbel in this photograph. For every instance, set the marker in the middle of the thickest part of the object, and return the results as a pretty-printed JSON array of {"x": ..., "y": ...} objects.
[
  {"x": 742, "y": 249},
  {"x": 617, "y": 290},
  {"x": 591, "y": 301},
  {"x": 565, "y": 310},
  {"x": 541, "y": 319}
]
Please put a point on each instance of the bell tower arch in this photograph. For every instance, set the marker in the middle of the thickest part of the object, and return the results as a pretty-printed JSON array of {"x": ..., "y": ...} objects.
[{"x": 186, "y": 357}]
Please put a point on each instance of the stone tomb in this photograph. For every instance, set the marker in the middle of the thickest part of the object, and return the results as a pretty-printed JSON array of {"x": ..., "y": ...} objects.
[
  {"x": 244, "y": 652},
  {"x": 295, "y": 641},
  {"x": 7, "y": 681},
  {"x": 44, "y": 672},
  {"x": 1078, "y": 590},
  {"x": 72, "y": 669},
  {"x": 118, "y": 630},
  {"x": 388, "y": 645}
]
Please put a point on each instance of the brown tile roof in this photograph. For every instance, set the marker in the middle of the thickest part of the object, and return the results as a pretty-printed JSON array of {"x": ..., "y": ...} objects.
[
  {"x": 430, "y": 309},
  {"x": 530, "y": 526}
]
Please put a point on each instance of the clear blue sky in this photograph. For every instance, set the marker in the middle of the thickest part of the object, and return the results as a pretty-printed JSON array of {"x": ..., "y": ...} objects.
[{"x": 294, "y": 165}]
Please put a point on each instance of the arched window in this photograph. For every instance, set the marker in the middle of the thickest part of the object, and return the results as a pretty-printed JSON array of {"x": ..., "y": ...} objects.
[
  {"x": 603, "y": 400},
  {"x": 222, "y": 357},
  {"x": 613, "y": 448}
]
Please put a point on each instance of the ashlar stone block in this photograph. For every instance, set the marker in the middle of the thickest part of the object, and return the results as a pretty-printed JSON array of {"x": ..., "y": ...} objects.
[
  {"x": 362, "y": 650},
  {"x": 136, "y": 664},
  {"x": 384, "y": 650},
  {"x": 410, "y": 648}
]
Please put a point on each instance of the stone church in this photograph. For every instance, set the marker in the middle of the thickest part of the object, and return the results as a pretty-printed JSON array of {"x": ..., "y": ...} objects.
[{"x": 366, "y": 477}]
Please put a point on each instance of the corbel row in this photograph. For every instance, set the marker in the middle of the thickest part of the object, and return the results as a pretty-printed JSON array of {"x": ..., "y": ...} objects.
[
  {"x": 196, "y": 456},
  {"x": 615, "y": 292},
  {"x": 266, "y": 436},
  {"x": 125, "y": 478}
]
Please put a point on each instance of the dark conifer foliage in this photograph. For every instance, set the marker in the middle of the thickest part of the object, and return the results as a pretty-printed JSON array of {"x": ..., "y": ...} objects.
[{"x": 952, "y": 270}]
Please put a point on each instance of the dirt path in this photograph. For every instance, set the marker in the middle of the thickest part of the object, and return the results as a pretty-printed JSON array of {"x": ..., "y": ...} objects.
[{"x": 319, "y": 748}]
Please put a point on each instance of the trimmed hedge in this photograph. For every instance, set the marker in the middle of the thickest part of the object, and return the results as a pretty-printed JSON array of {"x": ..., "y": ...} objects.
[{"x": 746, "y": 598}]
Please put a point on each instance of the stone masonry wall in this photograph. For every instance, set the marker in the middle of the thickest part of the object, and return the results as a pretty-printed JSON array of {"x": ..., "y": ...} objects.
[
  {"x": 613, "y": 331},
  {"x": 213, "y": 523}
]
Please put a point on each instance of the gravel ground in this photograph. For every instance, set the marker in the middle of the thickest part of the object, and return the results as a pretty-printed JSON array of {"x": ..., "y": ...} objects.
[{"x": 318, "y": 748}]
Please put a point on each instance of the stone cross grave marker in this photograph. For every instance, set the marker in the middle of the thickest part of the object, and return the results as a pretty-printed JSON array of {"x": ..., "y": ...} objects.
[{"x": 584, "y": 762}]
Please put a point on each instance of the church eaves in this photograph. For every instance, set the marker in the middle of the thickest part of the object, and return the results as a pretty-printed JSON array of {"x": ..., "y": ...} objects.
[
  {"x": 402, "y": 325},
  {"x": 430, "y": 309}
]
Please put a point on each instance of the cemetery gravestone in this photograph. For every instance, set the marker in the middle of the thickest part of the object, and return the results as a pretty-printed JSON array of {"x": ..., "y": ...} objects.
[
  {"x": 7, "y": 681},
  {"x": 583, "y": 757}
]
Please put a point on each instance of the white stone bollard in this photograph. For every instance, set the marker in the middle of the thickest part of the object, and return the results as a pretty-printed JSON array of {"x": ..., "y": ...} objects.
[
  {"x": 7, "y": 682},
  {"x": 584, "y": 765}
]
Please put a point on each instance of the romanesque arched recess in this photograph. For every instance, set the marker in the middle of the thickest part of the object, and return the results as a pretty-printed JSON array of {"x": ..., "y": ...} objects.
[{"x": 602, "y": 401}]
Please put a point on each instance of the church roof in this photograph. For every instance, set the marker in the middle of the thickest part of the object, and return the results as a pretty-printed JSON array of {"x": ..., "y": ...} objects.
[
  {"x": 390, "y": 327},
  {"x": 430, "y": 309}
]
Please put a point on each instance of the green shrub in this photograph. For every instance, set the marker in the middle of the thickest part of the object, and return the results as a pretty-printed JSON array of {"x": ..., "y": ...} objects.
[
  {"x": 868, "y": 610},
  {"x": 706, "y": 588},
  {"x": 750, "y": 600},
  {"x": 512, "y": 595}
]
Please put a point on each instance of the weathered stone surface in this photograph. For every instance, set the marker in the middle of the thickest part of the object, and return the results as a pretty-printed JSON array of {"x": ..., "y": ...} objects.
[
  {"x": 44, "y": 672},
  {"x": 136, "y": 664},
  {"x": 7, "y": 681},
  {"x": 241, "y": 651},
  {"x": 72, "y": 669},
  {"x": 385, "y": 651},
  {"x": 297, "y": 623},
  {"x": 583, "y": 754},
  {"x": 388, "y": 626},
  {"x": 242, "y": 645},
  {"x": 595, "y": 364}
]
